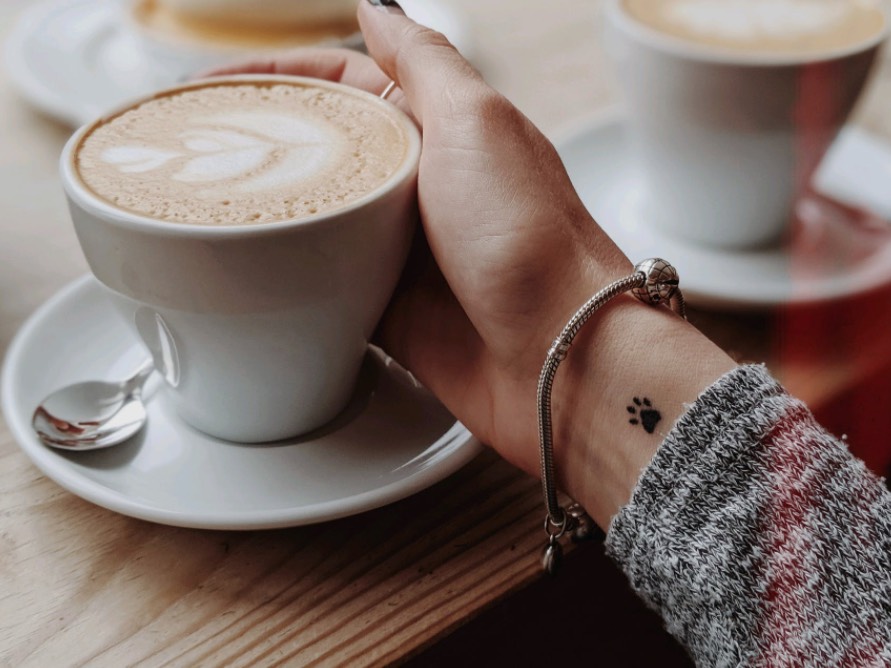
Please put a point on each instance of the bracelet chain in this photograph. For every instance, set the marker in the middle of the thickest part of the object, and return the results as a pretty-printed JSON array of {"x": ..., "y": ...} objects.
[{"x": 655, "y": 282}]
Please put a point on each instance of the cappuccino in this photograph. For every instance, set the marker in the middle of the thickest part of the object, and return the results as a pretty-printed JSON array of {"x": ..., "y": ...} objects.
[
  {"x": 170, "y": 23},
  {"x": 262, "y": 13},
  {"x": 732, "y": 104},
  {"x": 234, "y": 153},
  {"x": 786, "y": 27},
  {"x": 258, "y": 330}
]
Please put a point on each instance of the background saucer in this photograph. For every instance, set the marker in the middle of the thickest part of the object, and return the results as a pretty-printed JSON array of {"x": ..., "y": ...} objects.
[
  {"x": 393, "y": 440},
  {"x": 842, "y": 248},
  {"x": 74, "y": 59}
]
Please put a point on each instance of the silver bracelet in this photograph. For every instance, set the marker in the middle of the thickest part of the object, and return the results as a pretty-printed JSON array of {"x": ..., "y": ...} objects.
[{"x": 655, "y": 282}]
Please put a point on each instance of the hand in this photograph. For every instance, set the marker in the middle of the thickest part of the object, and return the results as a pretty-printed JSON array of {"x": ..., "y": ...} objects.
[
  {"x": 512, "y": 239},
  {"x": 507, "y": 254}
]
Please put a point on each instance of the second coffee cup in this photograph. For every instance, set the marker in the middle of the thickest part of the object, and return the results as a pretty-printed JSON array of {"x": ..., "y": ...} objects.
[
  {"x": 251, "y": 231},
  {"x": 731, "y": 105},
  {"x": 181, "y": 37}
]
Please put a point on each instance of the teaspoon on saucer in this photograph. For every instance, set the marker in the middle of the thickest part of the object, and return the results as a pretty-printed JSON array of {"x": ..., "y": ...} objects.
[{"x": 93, "y": 414}]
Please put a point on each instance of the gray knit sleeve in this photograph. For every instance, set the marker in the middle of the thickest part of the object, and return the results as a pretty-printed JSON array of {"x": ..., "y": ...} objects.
[{"x": 758, "y": 537}]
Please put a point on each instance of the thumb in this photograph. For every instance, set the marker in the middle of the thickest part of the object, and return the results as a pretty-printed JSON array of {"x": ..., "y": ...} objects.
[{"x": 422, "y": 62}]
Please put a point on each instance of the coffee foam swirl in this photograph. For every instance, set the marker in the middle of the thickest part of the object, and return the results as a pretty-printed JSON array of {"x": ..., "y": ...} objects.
[
  {"x": 276, "y": 153},
  {"x": 256, "y": 151},
  {"x": 746, "y": 19},
  {"x": 769, "y": 25}
]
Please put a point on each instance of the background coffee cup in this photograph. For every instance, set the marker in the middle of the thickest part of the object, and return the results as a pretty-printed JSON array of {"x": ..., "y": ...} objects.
[
  {"x": 259, "y": 330},
  {"x": 727, "y": 140},
  {"x": 276, "y": 13},
  {"x": 184, "y": 37}
]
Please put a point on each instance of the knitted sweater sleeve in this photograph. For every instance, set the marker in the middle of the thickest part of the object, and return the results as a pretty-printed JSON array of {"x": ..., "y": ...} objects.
[{"x": 758, "y": 537}]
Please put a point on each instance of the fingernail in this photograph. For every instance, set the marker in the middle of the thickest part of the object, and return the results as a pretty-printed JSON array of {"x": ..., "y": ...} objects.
[{"x": 388, "y": 6}]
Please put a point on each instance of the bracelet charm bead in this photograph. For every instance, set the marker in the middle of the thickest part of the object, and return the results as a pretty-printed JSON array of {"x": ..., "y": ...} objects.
[{"x": 662, "y": 281}]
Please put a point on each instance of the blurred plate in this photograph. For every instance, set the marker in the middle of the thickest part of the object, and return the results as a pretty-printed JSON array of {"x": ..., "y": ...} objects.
[
  {"x": 841, "y": 245},
  {"x": 394, "y": 439},
  {"x": 75, "y": 59}
]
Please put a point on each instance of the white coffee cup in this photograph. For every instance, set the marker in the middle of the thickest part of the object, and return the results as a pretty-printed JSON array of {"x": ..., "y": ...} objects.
[
  {"x": 183, "y": 37},
  {"x": 259, "y": 329},
  {"x": 264, "y": 12},
  {"x": 726, "y": 141}
]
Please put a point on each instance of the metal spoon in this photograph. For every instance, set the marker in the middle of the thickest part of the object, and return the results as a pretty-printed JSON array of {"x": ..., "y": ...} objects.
[{"x": 93, "y": 415}]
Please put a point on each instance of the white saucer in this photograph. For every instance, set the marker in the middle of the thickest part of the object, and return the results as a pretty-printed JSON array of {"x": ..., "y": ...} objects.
[
  {"x": 393, "y": 440},
  {"x": 74, "y": 59},
  {"x": 843, "y": 246}
]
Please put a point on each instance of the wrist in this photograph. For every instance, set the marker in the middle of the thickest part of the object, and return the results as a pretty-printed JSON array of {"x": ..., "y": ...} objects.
[{"x": 631, "y": 373}]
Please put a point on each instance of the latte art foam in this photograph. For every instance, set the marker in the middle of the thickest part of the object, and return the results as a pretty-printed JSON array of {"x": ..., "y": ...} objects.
[
  {"x": 242, "y": 153},
  {"x": 786, "y": 26}
]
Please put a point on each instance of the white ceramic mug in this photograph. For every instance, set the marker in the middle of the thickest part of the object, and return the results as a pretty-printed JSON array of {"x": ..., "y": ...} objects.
[
  {"x": 259, "y": 330},
  {"x": 727, "y": 141},
  {"x": 183, "y": 37},
  {"x": 264, "y": 12}
]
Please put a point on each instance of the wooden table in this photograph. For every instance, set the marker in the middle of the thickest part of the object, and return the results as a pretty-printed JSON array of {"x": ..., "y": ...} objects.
[{"x": 440, "y": 573}]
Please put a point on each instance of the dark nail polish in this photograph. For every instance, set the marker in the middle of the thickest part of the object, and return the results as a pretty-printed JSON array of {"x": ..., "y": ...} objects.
[{"x": 386, "y": 5}]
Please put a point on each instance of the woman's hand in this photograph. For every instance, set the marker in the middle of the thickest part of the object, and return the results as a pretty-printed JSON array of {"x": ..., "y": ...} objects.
[{"x": 508, "y": 253}]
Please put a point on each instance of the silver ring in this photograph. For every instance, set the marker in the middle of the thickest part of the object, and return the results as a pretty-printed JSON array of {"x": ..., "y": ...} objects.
[{"x": 388, "y": 90}]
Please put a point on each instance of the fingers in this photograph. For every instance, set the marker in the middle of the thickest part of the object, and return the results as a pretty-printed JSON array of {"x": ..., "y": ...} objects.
[
  {"x": 343, "y": 65},
  {"x": 431, "y": 73}
]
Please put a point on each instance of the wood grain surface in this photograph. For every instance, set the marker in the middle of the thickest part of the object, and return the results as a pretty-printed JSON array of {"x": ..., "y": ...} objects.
[{"x": 80, "y": 585}]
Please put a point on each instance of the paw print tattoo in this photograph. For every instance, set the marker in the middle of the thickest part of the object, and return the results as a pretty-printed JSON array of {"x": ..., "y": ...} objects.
[{"x": 643, "y": 413}]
